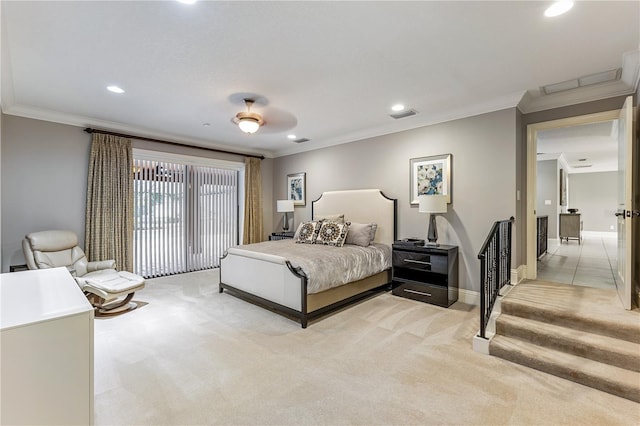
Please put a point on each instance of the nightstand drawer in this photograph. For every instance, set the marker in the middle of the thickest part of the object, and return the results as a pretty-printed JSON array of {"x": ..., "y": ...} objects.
[
  {"x": 420, "y": 261},
  {"x": 423, "y": 293}
]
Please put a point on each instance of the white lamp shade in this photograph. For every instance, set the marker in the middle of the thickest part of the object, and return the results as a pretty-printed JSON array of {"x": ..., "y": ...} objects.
[
  {"x": 283, "y": 206},
  {"x": 432, "y": 203},
  {"x": 248, "y": 125}
]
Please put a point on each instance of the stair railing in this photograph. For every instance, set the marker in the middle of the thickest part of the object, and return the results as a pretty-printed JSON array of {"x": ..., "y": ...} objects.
[{"x": 495, "y": 268}]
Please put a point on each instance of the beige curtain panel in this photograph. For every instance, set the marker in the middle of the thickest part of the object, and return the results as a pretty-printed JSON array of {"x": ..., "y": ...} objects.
[
  {"x": 253, "y": 228},
  {"x": 109, "y": 212}
]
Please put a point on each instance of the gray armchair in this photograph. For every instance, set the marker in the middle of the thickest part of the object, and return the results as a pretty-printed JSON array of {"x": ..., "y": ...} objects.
[{"x": 109, "y": 291}]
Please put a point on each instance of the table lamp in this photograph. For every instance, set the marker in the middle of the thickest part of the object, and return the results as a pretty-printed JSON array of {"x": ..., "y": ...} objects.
[
  {"x": 284, "y": 206},
  {"x": 432, "y": 204}
]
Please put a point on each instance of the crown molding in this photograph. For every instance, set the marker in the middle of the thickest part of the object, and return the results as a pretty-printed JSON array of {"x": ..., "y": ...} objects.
[
  {"x": 80, "y": 121},
  {"x": 535, "y": 100},
  {"x": 418, "y": 121}
]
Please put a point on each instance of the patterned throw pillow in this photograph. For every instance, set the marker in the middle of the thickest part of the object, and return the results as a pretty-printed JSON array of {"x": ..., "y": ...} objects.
[
  {"x": 308, "y": 232},
  {"x": 333, "y": 233}
]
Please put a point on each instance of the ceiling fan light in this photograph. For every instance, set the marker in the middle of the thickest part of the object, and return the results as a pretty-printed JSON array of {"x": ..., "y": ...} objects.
[
  {"x": 248, "y": 125},
  {"x": 249, "y": 122}
]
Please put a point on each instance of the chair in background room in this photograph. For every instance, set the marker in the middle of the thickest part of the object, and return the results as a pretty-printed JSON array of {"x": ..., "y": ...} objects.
[{"x": 109, "y": 291}]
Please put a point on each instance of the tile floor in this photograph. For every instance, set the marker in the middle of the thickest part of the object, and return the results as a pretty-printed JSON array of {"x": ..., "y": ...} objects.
[{"x": 591, "y": 263}]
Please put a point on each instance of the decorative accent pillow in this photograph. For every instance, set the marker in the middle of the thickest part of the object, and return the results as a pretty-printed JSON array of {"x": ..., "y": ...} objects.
[
  {"x": 332, "y": 217},
  {"x": 374, "y": 228},
  {"x": 297, "y": 233},
  {"x": 308, "y": 232},
  {"x": 332, "y": 233},
  {"x": 360, "y": 234}
]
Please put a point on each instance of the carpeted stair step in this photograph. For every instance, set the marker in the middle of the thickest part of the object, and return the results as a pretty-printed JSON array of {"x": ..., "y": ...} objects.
[
  {"x": 617, "y": 352},
  {"x": 607, "y": 378},
  {"x": 577, "y": 320}
]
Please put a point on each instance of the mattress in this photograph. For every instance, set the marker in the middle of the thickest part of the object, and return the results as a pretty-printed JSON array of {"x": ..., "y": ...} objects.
[{"x": 325, "y": 266}]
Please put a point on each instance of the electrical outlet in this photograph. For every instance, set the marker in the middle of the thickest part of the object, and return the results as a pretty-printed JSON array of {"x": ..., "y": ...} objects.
[
  {"x": 547, "y": 202},
  {"x": 612, "y": 227}
]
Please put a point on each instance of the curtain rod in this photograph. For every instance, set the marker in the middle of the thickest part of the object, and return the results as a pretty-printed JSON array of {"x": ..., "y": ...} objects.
[{"x": 124, "y": 135}]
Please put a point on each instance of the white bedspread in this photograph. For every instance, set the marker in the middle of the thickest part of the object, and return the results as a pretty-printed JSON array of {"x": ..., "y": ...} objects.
[{"x": 326, "y": 266}]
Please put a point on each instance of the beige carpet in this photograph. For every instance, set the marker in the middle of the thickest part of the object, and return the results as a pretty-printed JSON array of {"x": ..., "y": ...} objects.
[
  {"x": 194, "y": 356},
  {"x": 578, "y": 333}
]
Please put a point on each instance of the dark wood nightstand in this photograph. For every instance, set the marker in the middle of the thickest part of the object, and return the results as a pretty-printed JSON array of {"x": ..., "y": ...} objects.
[
  {"x": 281, "y": 235},
  {"x": 426, "y": 273}
]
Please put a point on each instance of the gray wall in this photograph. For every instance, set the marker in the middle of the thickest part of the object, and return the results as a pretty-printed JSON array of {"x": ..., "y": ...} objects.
[
  {"x": 547, "y": 188},
  {"x": 595, "y": 197},
  {"x": 483, "y": 152},
  {"x": 44, "y": 181},
  {"x": 44, "y": 177}
]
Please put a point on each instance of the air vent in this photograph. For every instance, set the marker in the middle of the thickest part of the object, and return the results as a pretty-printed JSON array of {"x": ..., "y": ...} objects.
[
  {"x": 403, "y": 114},
  {"x": 582, "y": 167},
  {"x": 301, "y": 140},
  {"x": 587, "y": 80}
]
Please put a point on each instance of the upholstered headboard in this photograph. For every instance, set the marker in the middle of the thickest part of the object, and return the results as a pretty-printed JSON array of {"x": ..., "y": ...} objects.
[{"x": 362, "y": 206}]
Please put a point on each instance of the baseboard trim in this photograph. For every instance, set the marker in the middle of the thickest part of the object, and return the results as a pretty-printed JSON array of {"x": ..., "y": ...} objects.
[
  {"x": 469, "y": 297},
  {"x": 518, "y": 274}
]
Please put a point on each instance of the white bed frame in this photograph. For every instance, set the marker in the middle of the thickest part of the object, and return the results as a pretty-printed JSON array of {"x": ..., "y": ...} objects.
[{"x": 273, "y": 282}]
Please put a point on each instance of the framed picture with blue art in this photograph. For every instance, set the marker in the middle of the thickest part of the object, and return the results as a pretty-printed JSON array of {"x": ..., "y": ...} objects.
[
  {"x": 430, "y": 176},
  {"x": 297, "y": 188}
]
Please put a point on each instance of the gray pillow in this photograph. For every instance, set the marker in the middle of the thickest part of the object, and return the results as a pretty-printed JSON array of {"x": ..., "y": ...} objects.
[
  {"x": 361, "y": 234},
  {"x": 332, "y": 217}
]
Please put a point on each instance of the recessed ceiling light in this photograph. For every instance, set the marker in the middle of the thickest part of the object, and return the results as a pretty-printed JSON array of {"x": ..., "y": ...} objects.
[
  {"x": 291, "y": 136},
  {"x": 206, "y": 124},
  {"x": 558, "y": 8},
  {"x": 187, "y": 1},
  {"x": 115, "y": 89},
  {"x": 397, "y": 107}
]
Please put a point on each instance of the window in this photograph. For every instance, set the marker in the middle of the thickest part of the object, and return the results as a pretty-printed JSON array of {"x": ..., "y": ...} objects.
[{"x": 187, "y": 212}]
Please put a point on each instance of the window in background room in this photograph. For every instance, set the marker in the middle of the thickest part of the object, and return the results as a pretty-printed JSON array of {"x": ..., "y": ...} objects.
[{"x": 186, "y": 212}]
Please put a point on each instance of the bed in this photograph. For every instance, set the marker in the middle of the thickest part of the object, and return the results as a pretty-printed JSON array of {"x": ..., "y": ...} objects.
[{"x": 281, "y": 284}]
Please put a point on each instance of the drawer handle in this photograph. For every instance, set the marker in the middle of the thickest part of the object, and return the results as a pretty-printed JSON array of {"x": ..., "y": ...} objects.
[
  {"x": 417, "y": 292},
  {"x": 417, "y": 261}
]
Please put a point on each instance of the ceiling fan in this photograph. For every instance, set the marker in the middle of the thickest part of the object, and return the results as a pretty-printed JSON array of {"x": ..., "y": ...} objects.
[{"x": 248, "y": 122}]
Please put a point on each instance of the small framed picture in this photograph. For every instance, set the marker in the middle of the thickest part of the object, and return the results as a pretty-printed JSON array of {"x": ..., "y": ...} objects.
[
  {"x": 430, "y": 176},
  {"x": 297, "y": 188}
]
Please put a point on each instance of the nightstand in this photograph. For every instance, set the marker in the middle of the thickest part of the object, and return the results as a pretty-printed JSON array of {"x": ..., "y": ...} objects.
[
  {"x": 425, "y": 273},
  {"x": 281, "y": 236}
]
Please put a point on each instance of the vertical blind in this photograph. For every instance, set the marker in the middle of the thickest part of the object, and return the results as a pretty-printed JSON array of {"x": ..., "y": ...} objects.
[{"x": 186, "y": 216}]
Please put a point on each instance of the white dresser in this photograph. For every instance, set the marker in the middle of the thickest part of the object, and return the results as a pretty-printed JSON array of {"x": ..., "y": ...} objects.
[{"x": 46, "y": 349}]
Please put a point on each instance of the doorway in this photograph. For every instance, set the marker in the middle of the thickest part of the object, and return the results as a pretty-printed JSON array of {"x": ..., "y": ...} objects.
[
  {"x": 533, "y": 131},
  {"x": 577, "y": 179}
]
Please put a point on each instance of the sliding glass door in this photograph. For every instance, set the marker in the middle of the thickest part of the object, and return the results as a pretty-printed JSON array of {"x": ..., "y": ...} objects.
[{"x": 186, "y": 215}]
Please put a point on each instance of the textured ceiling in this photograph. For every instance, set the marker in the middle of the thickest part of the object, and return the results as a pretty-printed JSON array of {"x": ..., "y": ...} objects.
[{"x": 327, "y": 71}]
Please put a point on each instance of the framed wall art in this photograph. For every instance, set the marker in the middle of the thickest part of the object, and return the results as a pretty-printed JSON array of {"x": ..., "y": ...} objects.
[
  {"x": 430, "y": 176},
  {"x": 297, "y": 188}
]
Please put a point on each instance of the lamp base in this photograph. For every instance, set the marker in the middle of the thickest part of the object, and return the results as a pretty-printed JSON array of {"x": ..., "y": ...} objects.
[
  {"x": 432, "y": 234},
  {"x": 285, "y": 222}
]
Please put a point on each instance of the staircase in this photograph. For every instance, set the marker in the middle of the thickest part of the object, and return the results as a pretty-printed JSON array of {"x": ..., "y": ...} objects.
[{"x": 578, "y": 333}]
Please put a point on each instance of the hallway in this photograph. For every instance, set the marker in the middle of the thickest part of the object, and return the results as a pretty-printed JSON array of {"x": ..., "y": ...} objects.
[{"x": 590, "y": 264}]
